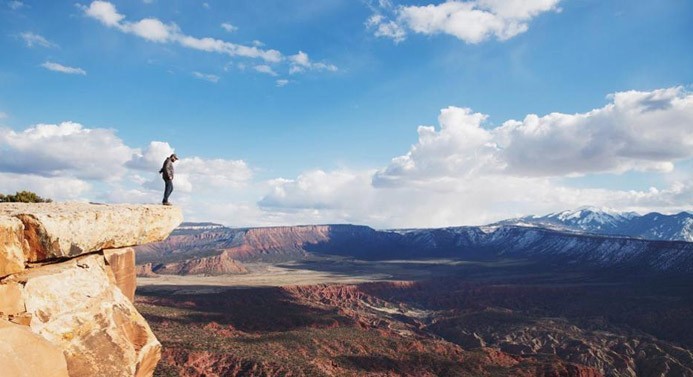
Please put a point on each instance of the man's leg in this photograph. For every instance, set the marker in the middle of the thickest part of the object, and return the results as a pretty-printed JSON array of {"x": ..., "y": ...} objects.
[
  {"x": 167, "y": 190},
  {"x": 166, "y": 194}
]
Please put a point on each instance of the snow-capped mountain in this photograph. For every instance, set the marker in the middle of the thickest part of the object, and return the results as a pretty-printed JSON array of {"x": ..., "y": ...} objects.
[
  {"x": 655, "y": 226},
  {"x": 562, "y": 248}
]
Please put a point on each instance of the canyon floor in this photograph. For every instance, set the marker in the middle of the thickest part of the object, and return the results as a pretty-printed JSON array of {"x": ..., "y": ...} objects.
[
  {"x": 442, "y": 317},
  {"x": 327, "y": 270}
]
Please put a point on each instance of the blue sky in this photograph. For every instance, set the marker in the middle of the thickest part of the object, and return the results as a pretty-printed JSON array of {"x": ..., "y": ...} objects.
[{"x": 307, "y": 111}]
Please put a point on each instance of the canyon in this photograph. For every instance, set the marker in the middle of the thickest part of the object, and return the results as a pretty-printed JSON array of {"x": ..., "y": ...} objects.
[{"x": 344, "y": 300}]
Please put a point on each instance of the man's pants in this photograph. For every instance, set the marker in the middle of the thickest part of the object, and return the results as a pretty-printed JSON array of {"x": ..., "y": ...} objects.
[{"x": 168, "y": 189}]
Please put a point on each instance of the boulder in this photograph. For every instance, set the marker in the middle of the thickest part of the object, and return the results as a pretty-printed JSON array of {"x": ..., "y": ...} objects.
[
  {"x": 11, "y": 245},
  {"x": 59, "y": 230},
  {"x": 25, "y": 354},
  {"x": 76, "y": 307},
  {"x": 122, "y": 263}
]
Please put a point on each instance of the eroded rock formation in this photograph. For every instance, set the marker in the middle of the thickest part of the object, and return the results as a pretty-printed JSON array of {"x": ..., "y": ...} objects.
[
  {"x": 122, "y": 266},
  {"x": 221, "y": 264},
  {"x": 67, "y": 283}
]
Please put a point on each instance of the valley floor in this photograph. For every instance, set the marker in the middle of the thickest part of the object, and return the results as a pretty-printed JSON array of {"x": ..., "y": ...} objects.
[
  {"x": 332, "y": 270},
  {"x": 420, "y": 318}
]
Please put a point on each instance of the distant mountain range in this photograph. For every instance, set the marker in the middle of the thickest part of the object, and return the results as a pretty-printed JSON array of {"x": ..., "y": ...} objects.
[
  {"x": 652, "y": 226},
  {"x": 585, "y": 237}
]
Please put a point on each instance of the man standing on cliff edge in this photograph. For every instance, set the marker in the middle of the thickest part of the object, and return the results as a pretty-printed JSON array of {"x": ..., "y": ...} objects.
[{"x": 167, "y": 174}]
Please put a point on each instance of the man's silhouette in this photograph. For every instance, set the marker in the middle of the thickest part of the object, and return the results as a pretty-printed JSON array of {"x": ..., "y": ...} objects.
[{"x": 167, "y": 174}]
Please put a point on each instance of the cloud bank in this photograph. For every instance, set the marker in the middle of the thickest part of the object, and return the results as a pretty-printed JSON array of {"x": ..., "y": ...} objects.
[
  {"x": 641, "y": 131},
  {"x": 462, "y": 171},
  {"x": 69, "y": 161}
]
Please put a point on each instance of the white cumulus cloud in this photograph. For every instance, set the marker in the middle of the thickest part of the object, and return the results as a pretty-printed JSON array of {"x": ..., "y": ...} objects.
[
  {"x": 152, "y": 157},
  {"x": 66, "y": 149},
  {"x": 638, "y": 131},
  {"x": 471, "y": 21},
  {"x": 104, "y": 12}
]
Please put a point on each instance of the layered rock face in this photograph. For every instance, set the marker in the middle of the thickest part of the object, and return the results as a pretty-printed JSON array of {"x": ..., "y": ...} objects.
[
  {"x": 67, "y": 283},
  {"x": 277, "y": 241}
]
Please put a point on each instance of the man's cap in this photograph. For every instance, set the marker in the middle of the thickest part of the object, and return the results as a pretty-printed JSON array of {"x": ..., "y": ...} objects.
[{"x": 174, "y": 157}]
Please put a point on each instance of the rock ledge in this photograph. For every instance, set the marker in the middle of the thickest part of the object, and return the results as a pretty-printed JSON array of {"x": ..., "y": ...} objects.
[
  {"x": 67, "y": 281},
  {"x": 50, "y": 231}
]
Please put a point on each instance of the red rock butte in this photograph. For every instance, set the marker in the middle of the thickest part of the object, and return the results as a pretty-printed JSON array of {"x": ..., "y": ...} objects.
[{"x": 67, "y": 283}]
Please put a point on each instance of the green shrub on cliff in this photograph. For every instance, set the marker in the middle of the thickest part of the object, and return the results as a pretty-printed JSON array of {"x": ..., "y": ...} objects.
[{"x": 23, "y": 197}]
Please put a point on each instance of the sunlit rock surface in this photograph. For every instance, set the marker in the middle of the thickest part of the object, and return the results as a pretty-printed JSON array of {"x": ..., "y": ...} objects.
[
  {"x": 67, "y": 283},
  {"x": 122, "y": 265},
  {"x": 58, "y": 230},
  {"x": 12, "y": 257},
  {"x": 25, "y": 354}
]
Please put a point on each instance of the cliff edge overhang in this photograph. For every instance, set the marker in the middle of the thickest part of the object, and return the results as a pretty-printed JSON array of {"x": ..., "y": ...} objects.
[{"x": 67, "y": 282}]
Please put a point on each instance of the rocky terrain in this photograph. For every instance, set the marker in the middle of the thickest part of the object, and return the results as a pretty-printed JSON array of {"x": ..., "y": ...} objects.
[
  {"x": 67, "y": 284},
  {"x": 488, "y": 323},
  {"x": 318, "y": 331}
]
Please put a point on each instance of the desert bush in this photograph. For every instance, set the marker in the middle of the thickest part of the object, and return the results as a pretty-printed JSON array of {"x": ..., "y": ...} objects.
[{"x": 23, "y": 197}]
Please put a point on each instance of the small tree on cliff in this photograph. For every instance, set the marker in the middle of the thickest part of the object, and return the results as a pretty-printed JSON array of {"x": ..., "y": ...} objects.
[{"x": 23, "y": 197}]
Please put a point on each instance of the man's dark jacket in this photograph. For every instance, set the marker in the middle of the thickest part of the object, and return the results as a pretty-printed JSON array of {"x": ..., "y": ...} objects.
[{"x": 167, "y": 169}]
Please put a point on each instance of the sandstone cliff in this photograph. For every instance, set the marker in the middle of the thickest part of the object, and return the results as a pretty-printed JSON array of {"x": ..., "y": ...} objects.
[{"x": 67, "y": 283}]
